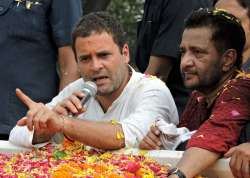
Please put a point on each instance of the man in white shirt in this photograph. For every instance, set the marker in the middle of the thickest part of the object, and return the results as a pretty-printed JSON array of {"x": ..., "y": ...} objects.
[{"x": 127, "y": 102}]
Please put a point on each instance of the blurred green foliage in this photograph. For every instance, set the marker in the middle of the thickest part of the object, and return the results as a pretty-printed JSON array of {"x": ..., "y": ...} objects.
[{"x": 128, "y": 12}]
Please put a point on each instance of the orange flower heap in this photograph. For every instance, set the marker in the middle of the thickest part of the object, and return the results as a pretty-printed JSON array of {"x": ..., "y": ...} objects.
[
  {"x": 96, "y": 164},
  {"x": 74, "y": 160}
]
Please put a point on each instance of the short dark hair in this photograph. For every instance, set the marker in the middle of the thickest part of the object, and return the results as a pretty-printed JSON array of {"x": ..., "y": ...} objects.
[
  {"x": 99, "y": 22},
  {"x": 246, "y": 5},
  {"x": 227, "y": 32}
]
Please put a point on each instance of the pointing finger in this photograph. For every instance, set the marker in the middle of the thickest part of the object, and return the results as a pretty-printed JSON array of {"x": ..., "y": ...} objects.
[{"x": 24, "y": 98}]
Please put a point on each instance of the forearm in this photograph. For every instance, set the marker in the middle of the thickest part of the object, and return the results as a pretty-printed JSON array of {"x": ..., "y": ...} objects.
[
  {"x": 159, "y": 66},
  {"x": 68, "y": 66},
  {"x": 195, "y": 160},
  {"x": 96, "y": 134}
]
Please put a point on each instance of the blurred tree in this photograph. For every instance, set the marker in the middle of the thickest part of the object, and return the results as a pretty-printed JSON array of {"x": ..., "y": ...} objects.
[{"x": 128, "y": 12}]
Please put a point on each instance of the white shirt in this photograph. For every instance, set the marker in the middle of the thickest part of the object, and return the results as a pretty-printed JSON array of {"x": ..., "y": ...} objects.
[{"x": 143, "y": 100}]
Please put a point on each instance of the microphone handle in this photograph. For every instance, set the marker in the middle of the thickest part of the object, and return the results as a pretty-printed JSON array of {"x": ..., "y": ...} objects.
[
  {"x": 83, "y": 102},
  {"x": 85, "y": 99}
]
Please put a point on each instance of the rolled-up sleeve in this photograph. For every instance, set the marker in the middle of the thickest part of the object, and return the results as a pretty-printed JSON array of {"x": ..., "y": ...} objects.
[
  {"x": 63, "y": 16},
  {"x": 149, "y": 103}
]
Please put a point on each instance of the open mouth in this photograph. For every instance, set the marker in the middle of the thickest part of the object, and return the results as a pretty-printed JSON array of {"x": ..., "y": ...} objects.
[{"x": 99, "y": 79}]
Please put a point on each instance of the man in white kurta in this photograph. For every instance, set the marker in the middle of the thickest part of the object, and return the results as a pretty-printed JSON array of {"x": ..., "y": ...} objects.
[
  {"x": 143, "y": 99},
  {"x": 132, "y": 99}
]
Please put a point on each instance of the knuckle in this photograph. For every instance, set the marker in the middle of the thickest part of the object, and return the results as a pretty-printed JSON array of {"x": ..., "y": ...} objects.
[
  {"x": 55, "y": 108},
  {"x": 40, "y": 104},
  {"x": 29, "y": 113},
  {"x": 44, "y": 121},
  {"x": 68, "y": 102}
]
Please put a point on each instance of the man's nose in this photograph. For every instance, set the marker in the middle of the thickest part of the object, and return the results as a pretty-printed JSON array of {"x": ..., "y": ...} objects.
[
  {"x": 96, "y": 64},
  {"x": 187, "y": 59}
]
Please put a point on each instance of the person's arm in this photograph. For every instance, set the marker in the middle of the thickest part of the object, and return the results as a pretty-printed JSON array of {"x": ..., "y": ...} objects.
[
  {"x": 68, "y": 66},
  {"x": 229, "y": 113},
  {"x": 104, "y": 135},
  {"x": 165, "y": 49},
  {"x": 152, "y": 100},
  {"x": 47, "y": 122},
  {"x": 160, "y": 66},
  {"x": 240, "y": 160},
  {"x": 194, "y": 161},
  {"x": 63, "y": 16}
]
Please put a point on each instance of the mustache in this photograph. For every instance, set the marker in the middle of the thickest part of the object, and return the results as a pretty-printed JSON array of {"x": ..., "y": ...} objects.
[
  {"x": 188, "y": 72},
  {"x": 94, "y": 78},
  {"x": 185, "y": 73}
]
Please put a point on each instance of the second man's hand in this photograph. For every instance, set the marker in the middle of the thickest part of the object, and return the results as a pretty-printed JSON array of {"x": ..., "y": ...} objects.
[
  {"x": 39, "y": 117},
  {"x": 152, "y": 140}
]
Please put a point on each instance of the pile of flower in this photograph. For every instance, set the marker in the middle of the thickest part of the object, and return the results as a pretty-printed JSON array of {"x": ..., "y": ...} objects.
[{"x": 75, "y": 160}]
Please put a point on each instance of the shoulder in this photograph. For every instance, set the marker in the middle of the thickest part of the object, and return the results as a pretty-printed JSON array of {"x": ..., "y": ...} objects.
[
  {"x": 149, "y": 81},
  {"x": 236, "y": 89},
  {"x": 148, "y": 85},
  {"x": 241, "y": 83}
]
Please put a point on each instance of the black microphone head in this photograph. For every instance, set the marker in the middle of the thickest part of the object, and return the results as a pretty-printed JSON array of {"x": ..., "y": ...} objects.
[{"x": 90, "y": 88}]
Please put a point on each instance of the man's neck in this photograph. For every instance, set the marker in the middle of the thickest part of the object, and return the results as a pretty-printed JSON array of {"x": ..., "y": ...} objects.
[
  {"x": 212, "y": 93},
  {"x": 107, "y": 100}
]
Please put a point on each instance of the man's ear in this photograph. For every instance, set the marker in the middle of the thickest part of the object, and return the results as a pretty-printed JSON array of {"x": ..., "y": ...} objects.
[
  {"x": 229, "y": 59},
  {"x": 125, "y": 53}
]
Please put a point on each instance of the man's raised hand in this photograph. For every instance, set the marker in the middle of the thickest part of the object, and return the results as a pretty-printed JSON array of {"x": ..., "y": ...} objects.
[{"x": 39, "y": 116}]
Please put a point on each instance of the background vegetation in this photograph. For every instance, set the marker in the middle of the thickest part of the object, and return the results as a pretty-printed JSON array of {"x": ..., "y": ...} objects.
[{"x": 128, "y": 12}]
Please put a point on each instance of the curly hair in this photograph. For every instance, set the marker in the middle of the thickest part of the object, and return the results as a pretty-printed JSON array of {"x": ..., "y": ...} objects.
[{"x": 99, "y": 22}]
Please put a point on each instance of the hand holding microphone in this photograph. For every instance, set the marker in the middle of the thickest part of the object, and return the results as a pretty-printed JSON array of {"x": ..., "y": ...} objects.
[{"x": 74, "y": 104}]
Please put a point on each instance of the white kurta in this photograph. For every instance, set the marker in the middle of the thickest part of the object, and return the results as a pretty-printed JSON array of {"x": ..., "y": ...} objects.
[{"x": 143, "y": 100}]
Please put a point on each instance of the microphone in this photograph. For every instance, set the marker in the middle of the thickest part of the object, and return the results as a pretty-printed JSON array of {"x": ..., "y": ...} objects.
[{"x": 89, "y": 89}]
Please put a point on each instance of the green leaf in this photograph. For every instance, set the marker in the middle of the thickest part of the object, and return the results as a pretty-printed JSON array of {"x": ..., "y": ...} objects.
[{"x": 59, "y": 154}]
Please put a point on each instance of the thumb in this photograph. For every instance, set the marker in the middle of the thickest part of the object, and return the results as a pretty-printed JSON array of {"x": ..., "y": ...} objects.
[
  {"x": 22, "y": 122},
  {"x": 229, "y": 153}
]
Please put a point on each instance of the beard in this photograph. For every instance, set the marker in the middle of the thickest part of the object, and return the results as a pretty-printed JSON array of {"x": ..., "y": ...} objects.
[
  {"x": 113, "y": 83},
  {"x": 210, "y": 82},
  {"x": 203, "y": 82}
]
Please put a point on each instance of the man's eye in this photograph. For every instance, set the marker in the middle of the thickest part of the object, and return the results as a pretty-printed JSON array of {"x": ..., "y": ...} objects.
[
  {"x": 103, "y": 55},
  {"x": 182, "y": 51},
  {"x": 197, "y": 51},
  {"x": 83, "y": 58}
]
